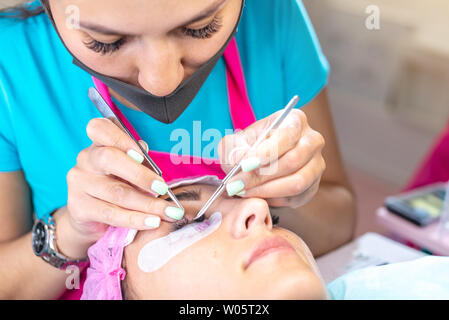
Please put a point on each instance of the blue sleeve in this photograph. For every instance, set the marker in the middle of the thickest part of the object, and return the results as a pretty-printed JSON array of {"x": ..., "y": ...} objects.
[
  {"x": 9, "y": 159},
  {"x": 306, "y": 69}
]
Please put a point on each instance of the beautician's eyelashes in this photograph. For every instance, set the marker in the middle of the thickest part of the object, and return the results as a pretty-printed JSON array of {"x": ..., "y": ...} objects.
[
  {"x": 203, "y": 33},
  {"x": 206, "y": 32},
  {"x": 104, "y": 48}
]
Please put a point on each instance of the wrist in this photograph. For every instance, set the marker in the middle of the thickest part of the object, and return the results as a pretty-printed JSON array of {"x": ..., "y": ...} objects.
[{"x": 70, "y": 242}]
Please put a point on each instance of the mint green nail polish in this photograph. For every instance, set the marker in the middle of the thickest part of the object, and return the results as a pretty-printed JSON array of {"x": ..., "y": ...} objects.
[
  {"x": 153, "y": 222},
  {"x": 135, "y": 156},
  {"x": 159, "y": 187},
  {"x": 235, "y": 187},
  {"x": 241, "y": 193},
  {"x": 250, "y": 164},
  {"x": 174, "y": 213}
]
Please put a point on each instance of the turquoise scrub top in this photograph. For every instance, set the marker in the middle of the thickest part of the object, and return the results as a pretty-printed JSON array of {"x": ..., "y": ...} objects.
[{"x": 44, "y": 108}]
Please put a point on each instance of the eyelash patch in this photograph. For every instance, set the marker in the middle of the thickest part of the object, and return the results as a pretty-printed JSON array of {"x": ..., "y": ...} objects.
[{"x": 157, "y": 253}]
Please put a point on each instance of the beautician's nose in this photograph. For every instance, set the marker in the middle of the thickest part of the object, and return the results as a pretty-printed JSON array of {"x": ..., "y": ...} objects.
[
  {"x": 249, "y": 215},
  {"x": 160, "y": 68}
]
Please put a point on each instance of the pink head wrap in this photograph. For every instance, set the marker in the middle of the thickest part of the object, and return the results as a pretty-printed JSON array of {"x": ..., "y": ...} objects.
[{"x": 105, "y": 272}]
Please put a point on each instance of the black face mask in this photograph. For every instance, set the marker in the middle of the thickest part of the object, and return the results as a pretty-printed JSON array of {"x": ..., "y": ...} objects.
[{"x": 164, "y": 109}]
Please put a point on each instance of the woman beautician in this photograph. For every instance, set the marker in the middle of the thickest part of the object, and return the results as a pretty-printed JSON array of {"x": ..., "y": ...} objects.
[{"x": 143, "y": 51}]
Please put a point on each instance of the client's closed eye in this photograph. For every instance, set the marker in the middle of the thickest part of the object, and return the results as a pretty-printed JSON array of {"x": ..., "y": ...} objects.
[
  {"x": 195, "y": 195},
  {"x": 186, "y": 195},
  {"x": 184, "y": 221}
]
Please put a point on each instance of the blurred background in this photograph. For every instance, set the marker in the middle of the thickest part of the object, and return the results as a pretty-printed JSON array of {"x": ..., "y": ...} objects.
[
  {"x": 387, "y": 89},
  {"x": 6, "y": 3}
]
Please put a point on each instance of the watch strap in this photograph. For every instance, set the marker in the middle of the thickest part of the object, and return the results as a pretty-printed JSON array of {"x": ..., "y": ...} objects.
[{"x": 51, "y": 254}]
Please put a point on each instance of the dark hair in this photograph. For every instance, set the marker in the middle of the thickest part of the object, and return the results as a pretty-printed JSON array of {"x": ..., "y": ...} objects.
[{"x": 23, "y": 11}]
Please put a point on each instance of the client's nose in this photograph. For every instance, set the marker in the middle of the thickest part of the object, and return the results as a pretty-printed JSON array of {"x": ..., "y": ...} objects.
[{"x": 249, "y": 215}]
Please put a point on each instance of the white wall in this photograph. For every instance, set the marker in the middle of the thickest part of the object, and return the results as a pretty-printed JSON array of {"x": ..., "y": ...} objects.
[{"x": 7, "y": 3}]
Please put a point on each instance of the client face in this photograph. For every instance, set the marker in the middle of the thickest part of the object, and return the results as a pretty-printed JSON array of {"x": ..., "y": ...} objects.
[{"x": 245, "y": 258}]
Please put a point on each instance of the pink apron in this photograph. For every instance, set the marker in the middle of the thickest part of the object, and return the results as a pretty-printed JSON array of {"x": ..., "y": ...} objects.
[{"x": 242, "y": 116}]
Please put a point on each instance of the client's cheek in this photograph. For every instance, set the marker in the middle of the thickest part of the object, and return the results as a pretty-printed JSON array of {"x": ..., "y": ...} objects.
[{"x": 157, "y": 253}]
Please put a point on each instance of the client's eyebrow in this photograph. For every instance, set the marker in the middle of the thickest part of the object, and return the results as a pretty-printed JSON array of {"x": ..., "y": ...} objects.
[{"x": 188, "y": 195}]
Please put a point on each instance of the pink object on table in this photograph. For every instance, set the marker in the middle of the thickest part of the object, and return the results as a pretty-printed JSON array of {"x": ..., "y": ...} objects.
[
  {"x": 105, "y": 271},
  {"x": 435, "y": 167},
  {"x": 426, "y": 237}
]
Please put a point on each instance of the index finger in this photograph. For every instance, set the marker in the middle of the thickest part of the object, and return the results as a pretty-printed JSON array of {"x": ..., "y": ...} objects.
[
  {"x": 277, "y": 143},
  {"x": 104, "y": 132}
]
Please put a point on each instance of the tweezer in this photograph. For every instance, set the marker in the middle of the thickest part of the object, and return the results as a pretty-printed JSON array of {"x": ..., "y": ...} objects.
[
  {"x": 106, "y": 112},
  {"x": 234, "y": 170}
]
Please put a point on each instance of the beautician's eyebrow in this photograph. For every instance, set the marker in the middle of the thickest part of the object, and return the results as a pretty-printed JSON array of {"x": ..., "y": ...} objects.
[
  {"x": 107, "y": 31},
  {"x": 206, "y": 12}
]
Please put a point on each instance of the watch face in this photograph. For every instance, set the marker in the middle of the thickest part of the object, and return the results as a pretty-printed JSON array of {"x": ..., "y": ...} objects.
[{"x": 39, "y": 238}]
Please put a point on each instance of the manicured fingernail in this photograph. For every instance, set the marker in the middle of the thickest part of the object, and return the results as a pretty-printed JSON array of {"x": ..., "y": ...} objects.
[
  {"x": 174, "y": 213},
  {"x": 235, "y": 187},
  {"x": 144, "y": 145},
  {"x": 159, "y": 187},
  {"x": 153, "y": 222},
  {"x": 135, "y": 156},
  {"x": 250, "y": 164},
  {"x": 241, "y": 193}
]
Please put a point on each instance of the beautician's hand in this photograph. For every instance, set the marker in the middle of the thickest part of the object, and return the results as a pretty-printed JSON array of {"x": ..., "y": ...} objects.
[
  {"x": 110, "y": 186},
  {"x": 285, "y": 169}
]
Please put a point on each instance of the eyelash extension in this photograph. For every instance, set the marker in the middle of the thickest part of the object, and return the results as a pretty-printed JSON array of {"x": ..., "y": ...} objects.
[
  {"x": 206, "y": 32},
  {"x": 180, "y": 224},
  {"x": 104, "y": 48},
  {"x": 184, "y": 221},
  {"x": 275, "y": 220}
]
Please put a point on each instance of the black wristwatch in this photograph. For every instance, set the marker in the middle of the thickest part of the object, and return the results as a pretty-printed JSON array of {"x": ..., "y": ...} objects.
[{"x": 44, "y": 245}]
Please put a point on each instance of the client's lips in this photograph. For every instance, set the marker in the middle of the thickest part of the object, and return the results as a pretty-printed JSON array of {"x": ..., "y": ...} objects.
[{"x": 268, "y": 246}]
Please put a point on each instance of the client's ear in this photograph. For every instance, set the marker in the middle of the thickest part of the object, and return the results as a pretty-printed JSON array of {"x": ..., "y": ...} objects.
[{"x": 127, "y": 291}]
